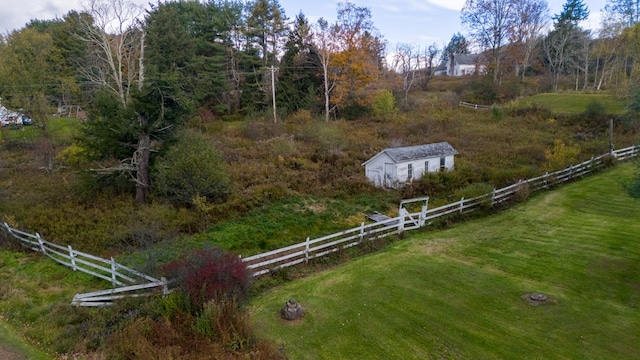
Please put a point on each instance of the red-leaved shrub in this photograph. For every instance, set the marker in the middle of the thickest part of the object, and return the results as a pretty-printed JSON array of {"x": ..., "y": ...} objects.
[{"x": 210, "y": 274}]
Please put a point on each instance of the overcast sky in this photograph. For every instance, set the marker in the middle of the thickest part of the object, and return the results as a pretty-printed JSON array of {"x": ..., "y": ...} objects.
[{"x": 419, "y": 22}]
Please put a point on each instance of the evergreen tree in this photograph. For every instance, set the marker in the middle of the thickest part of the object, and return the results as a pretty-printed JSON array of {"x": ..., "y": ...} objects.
[
  {"x": 266, "y": 28},
  {"x": 457, "y": 45},
  {"x": 300, "y": 73},
  {"x": 573, "y": 11}
]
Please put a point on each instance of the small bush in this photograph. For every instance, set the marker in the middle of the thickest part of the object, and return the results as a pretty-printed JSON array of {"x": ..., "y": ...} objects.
[
  {"x": 473, "y": 190},
  {"x": 300, "y": 117},
  {"x": 632, "y": 187},
  {"x": 384, "y": 105},
  {"x": 210, "y": 274},
  {"x": 497, "y": 113}
]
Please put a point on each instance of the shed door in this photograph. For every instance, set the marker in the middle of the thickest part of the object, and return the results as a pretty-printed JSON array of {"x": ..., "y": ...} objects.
[{"x": 389, "y": 176}]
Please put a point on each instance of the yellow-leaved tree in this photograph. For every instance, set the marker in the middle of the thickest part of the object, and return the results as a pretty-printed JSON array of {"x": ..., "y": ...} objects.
[{"x": 357, "y": 61}]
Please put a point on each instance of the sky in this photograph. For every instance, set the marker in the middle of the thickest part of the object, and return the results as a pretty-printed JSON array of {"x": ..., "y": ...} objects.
[{"x": 417, "y": 22}]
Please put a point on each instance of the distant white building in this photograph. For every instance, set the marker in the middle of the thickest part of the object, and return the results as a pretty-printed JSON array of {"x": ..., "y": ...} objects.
[
  {"x": 392, "y": 167},
  {"x": 460, "y": 65}
]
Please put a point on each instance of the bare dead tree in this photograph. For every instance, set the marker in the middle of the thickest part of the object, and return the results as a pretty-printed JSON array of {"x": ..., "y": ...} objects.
[
  {"x": 407, "y": 61},
  {"x": 115, "y": 41},
  {"x": 325, "y": 47},
  {"x": 488, "y": 22},
  {"x": 431, "y": 54},
  {"x": 530, "y": 18}
]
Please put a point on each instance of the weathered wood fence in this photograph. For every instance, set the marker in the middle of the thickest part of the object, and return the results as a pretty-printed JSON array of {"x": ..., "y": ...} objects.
[
  {"x": 129, "y": 280},
  {"x": 135, "y": 283},
  {"x": 475, "y": 106},
  {"x": 313, "y": 248}
]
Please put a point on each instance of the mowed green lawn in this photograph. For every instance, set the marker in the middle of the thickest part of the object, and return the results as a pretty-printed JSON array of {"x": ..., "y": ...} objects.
[
  {"x": 456, "y": 293},
  {"x": 575, "y": 103}
]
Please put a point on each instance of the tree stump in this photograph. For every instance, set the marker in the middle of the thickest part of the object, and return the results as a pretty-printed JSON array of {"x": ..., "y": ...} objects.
[{"x": 291, "y": 310}]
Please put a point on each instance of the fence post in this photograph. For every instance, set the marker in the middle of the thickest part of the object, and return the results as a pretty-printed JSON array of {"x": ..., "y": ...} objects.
[
  {"x": 113, "y": 271},
  {"x": 165, "y": 286},
  {"x": 42, "y": 248},
  {"x": 493, "y": 197},
  {"x": 72, "y": 257},
  {"x": 362, "y": 231},
  {"x": 546, "y": 179},
  {"x": 423, "y": 216},
  {"x": 461, "y": 204},
  {"x": 571, "y": 172},
  {"x": 306, "y": 250},
  {"x": 401, "y": 220}
]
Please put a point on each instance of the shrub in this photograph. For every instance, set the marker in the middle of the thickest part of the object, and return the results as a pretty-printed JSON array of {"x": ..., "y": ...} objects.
[
  {"x": 473, "y": 190},
  {"x": 594, "y": 109},
  {"x": 210, "y": 274},
  {"x": 632, "y": 187},
  {"x": 497, "y": 113},
  {"x": 534, "y": 110},
  {"x": 560, "y": 156},
  {"x": 189, "y": 169},
  {"x": 384, "y": 105},
  {"x": 301, "y": 116}
]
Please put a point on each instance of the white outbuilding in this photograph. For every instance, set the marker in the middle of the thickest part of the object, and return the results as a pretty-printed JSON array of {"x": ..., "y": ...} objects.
[{"x": 393, "y": 167}]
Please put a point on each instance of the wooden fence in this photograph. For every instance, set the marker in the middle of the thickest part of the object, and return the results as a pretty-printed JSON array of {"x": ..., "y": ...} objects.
[
  {"x": 475, "y": 106},
  {"x": 313, "y": 248},
  {"x": 135, "y": 283},
  {"x": 130, "y": 280}
]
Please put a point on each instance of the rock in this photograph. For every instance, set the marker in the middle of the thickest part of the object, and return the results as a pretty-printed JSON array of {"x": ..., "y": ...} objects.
[
  {"x": 535, "y": 299},
  {"x": 291, "y": 310}
]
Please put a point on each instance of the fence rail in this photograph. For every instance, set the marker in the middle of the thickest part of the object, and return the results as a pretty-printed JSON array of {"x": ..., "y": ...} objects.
[
  {"x": 106, "y": 269},
  {"x": 475, "y": 106},
  {"x": 134, "y": 283}
]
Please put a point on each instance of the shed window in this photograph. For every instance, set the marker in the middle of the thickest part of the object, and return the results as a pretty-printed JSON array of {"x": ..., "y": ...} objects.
[
  {"x": 410, "y": 172},
  {"x": 426, "y": 166},
  {"x": 442, "y": 163}
]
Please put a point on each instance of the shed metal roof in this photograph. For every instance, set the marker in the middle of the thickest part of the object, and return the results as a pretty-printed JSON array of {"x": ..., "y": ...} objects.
[{"x": 408, "y": 153}]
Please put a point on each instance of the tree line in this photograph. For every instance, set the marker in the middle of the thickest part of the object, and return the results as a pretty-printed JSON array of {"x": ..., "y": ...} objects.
[
  {"x": 142, "y": 73},
  {"x": 519, "y": 37}
]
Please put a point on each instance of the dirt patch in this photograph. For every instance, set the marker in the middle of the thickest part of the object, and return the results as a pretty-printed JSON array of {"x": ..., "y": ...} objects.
[
  {"x": 432, "y": 246},
  {"x": 8, "y": 353}
]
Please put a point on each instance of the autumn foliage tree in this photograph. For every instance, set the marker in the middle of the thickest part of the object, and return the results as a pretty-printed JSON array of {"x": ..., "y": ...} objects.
[{"x": 356, "y": 63}]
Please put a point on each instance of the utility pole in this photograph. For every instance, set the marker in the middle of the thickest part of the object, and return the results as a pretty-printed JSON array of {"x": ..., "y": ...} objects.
[{"x": 273, "y": 70}]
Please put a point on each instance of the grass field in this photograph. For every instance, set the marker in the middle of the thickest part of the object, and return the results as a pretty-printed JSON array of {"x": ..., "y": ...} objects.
[
  {"x": 575, "y": 103},
  {"x": 457, "y": 293},
  {"x": 13, "y": 347}
]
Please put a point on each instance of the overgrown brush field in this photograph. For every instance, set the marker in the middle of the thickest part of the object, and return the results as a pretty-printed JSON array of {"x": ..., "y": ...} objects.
[
  {"x": 309, "y": 170},
  {"x": 458, "y": 293}
]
